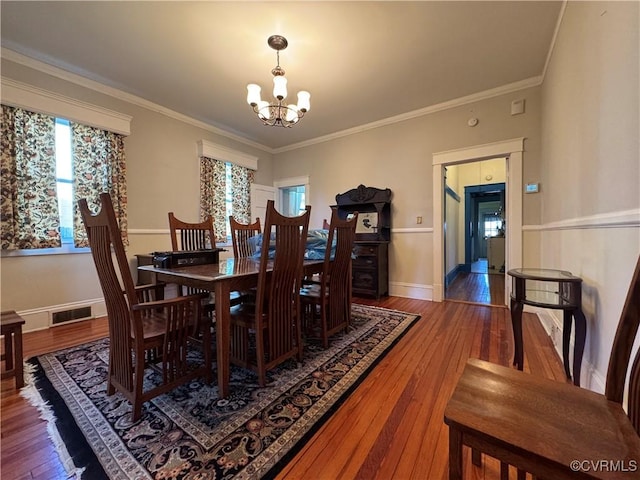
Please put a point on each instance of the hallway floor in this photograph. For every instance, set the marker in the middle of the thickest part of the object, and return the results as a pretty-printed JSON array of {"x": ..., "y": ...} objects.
[
  {"x": 478, "y": 286},
  {"x": 481, "y": 266}
]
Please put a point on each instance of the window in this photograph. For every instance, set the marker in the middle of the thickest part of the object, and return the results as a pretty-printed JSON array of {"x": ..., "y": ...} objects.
[
  {"x": 292, "y": 195},
  {"x": 293, "y": 200},
  {"x": 64, "y": 179},
  {"x": 225, "y": 189},
  {"x": 492, "y": 224},
  {"x": 51, "y": 162}
]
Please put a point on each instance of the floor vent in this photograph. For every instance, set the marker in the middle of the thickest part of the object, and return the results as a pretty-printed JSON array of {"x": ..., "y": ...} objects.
[{"x": 69, "y": 315}]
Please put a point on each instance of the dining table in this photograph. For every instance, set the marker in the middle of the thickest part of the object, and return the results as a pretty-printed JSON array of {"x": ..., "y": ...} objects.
[{"x": 222, "y": 278}]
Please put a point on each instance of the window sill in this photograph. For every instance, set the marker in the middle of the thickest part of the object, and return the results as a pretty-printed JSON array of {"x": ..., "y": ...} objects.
[{"x": 63, "y": 250}]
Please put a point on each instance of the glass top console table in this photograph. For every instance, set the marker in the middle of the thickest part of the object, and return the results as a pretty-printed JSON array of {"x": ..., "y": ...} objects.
[{"x": 556, "y": 289}]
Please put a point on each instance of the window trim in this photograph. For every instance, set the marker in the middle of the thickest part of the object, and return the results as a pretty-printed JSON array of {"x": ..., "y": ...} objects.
[
  {"x": 20, "y": 95},
  {"x": 226, "y": 154}
]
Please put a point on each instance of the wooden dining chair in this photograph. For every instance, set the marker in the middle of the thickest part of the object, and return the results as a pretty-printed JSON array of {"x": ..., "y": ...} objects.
[
  {"x": 241, "y": 234},
  {"x": 314, "y": 279},
  {"x": 553, "y": 430},
  {"x": 143, "y": 332},
  {"x": 244, "y": 237},
  {"x": 274, "y": 318},
  {"x": 191, "y": 236},
  {"x": 331, "y": 296}
]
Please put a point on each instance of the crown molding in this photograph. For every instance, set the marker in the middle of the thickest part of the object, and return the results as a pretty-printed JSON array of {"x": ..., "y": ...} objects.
[
  {"x": 458, "y": 102},
  {"x": 554, "y": 39},
  {"x": 121, "y": 95}
]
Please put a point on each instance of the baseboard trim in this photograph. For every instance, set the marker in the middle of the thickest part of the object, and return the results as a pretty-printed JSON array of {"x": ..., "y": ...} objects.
[
  {"x": 411, "y": 290},
  {"x": 451, "y": 276},
  {"x": 589, "y": 377},
  {"x": 41, "y": 318}
]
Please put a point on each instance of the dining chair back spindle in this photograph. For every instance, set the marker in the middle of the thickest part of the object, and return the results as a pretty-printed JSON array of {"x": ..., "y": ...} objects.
[
  {"x": 275, "y": 315},
  {"x": 332, "y": 293},
  {"x": 551, "y": 429},
  {"x": 191, "y": 236},
  {"x": 241, "y": 234},
  {"x": 143, "y": 332}
]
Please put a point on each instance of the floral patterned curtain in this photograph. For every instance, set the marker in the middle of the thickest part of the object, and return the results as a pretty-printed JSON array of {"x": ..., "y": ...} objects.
[
  {"x": 98, "y": 166},
  {"x": 212, "y": 195},
  {"x": 241, "y": 180},
  {"x": 29, "y": 207}
]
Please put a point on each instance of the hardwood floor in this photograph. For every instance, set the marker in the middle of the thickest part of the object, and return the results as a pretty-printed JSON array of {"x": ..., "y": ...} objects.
[
  {"x": 474, "y": 287},
  {"x": 390, "y": 427}
]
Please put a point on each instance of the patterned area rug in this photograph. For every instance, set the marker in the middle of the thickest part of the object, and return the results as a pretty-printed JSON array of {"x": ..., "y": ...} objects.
[{"x": 190, "y": 433}]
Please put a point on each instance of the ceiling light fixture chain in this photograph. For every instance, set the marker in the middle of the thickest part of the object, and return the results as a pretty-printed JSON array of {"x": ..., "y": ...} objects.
[{"x": 278, "y": 113}]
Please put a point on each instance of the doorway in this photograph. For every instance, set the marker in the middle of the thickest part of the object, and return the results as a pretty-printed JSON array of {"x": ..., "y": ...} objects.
[
  {"x": 512, "y": 150},
  {"x": 473, "y": 227},
  {"x": 484, "y": 210},
  {"x": 292, "y": 195}
]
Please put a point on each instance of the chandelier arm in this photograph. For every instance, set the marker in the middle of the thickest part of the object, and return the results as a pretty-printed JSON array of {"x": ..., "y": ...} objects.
[{"x": 277, "y": 115}]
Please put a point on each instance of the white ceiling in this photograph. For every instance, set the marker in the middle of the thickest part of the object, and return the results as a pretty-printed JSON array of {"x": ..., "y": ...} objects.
[{"x": 362, "y": 62}]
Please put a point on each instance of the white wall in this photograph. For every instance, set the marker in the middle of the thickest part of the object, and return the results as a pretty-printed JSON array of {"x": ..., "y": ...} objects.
[{"x": 590, "y": 166}]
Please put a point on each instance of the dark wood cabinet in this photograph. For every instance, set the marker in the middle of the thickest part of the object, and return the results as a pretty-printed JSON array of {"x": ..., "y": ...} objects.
[{"x": 370, "y": 267}]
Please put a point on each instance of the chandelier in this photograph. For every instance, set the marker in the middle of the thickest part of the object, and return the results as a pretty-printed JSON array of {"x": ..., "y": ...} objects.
[{"x": 278, "y": 113}]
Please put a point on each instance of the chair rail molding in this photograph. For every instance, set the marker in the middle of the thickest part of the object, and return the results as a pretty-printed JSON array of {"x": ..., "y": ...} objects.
[
  {"x": 412, "y": 230},
  {"x": 619, "y": 219}
]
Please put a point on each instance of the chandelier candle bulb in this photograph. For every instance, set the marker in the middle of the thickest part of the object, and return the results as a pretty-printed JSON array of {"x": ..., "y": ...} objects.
[
  {"x": 303, "y": 101},
  {"x": 253, "y": 94},
  {"x": 280, "y": 87},
  {"x": 277, "y": 113}
]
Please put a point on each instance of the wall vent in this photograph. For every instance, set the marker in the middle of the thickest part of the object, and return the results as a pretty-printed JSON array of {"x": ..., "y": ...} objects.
[{"x": 70, "y": 315}]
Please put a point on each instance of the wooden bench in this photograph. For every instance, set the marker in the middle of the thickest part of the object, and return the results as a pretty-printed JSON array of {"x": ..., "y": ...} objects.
[{"x": 11, "y": 327}]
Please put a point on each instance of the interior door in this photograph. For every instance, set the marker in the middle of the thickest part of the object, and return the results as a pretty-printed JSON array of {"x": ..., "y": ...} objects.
[{"x": 260, "y": 194}]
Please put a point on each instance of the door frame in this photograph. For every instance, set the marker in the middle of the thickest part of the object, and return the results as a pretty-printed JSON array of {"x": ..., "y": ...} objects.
[
  {"x": 512, "y": 150},
  {"x": 291, "y": 182}
]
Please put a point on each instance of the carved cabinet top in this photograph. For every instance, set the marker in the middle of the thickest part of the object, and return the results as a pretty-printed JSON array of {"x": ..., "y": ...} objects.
[{"x": 362, "y": 194}]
